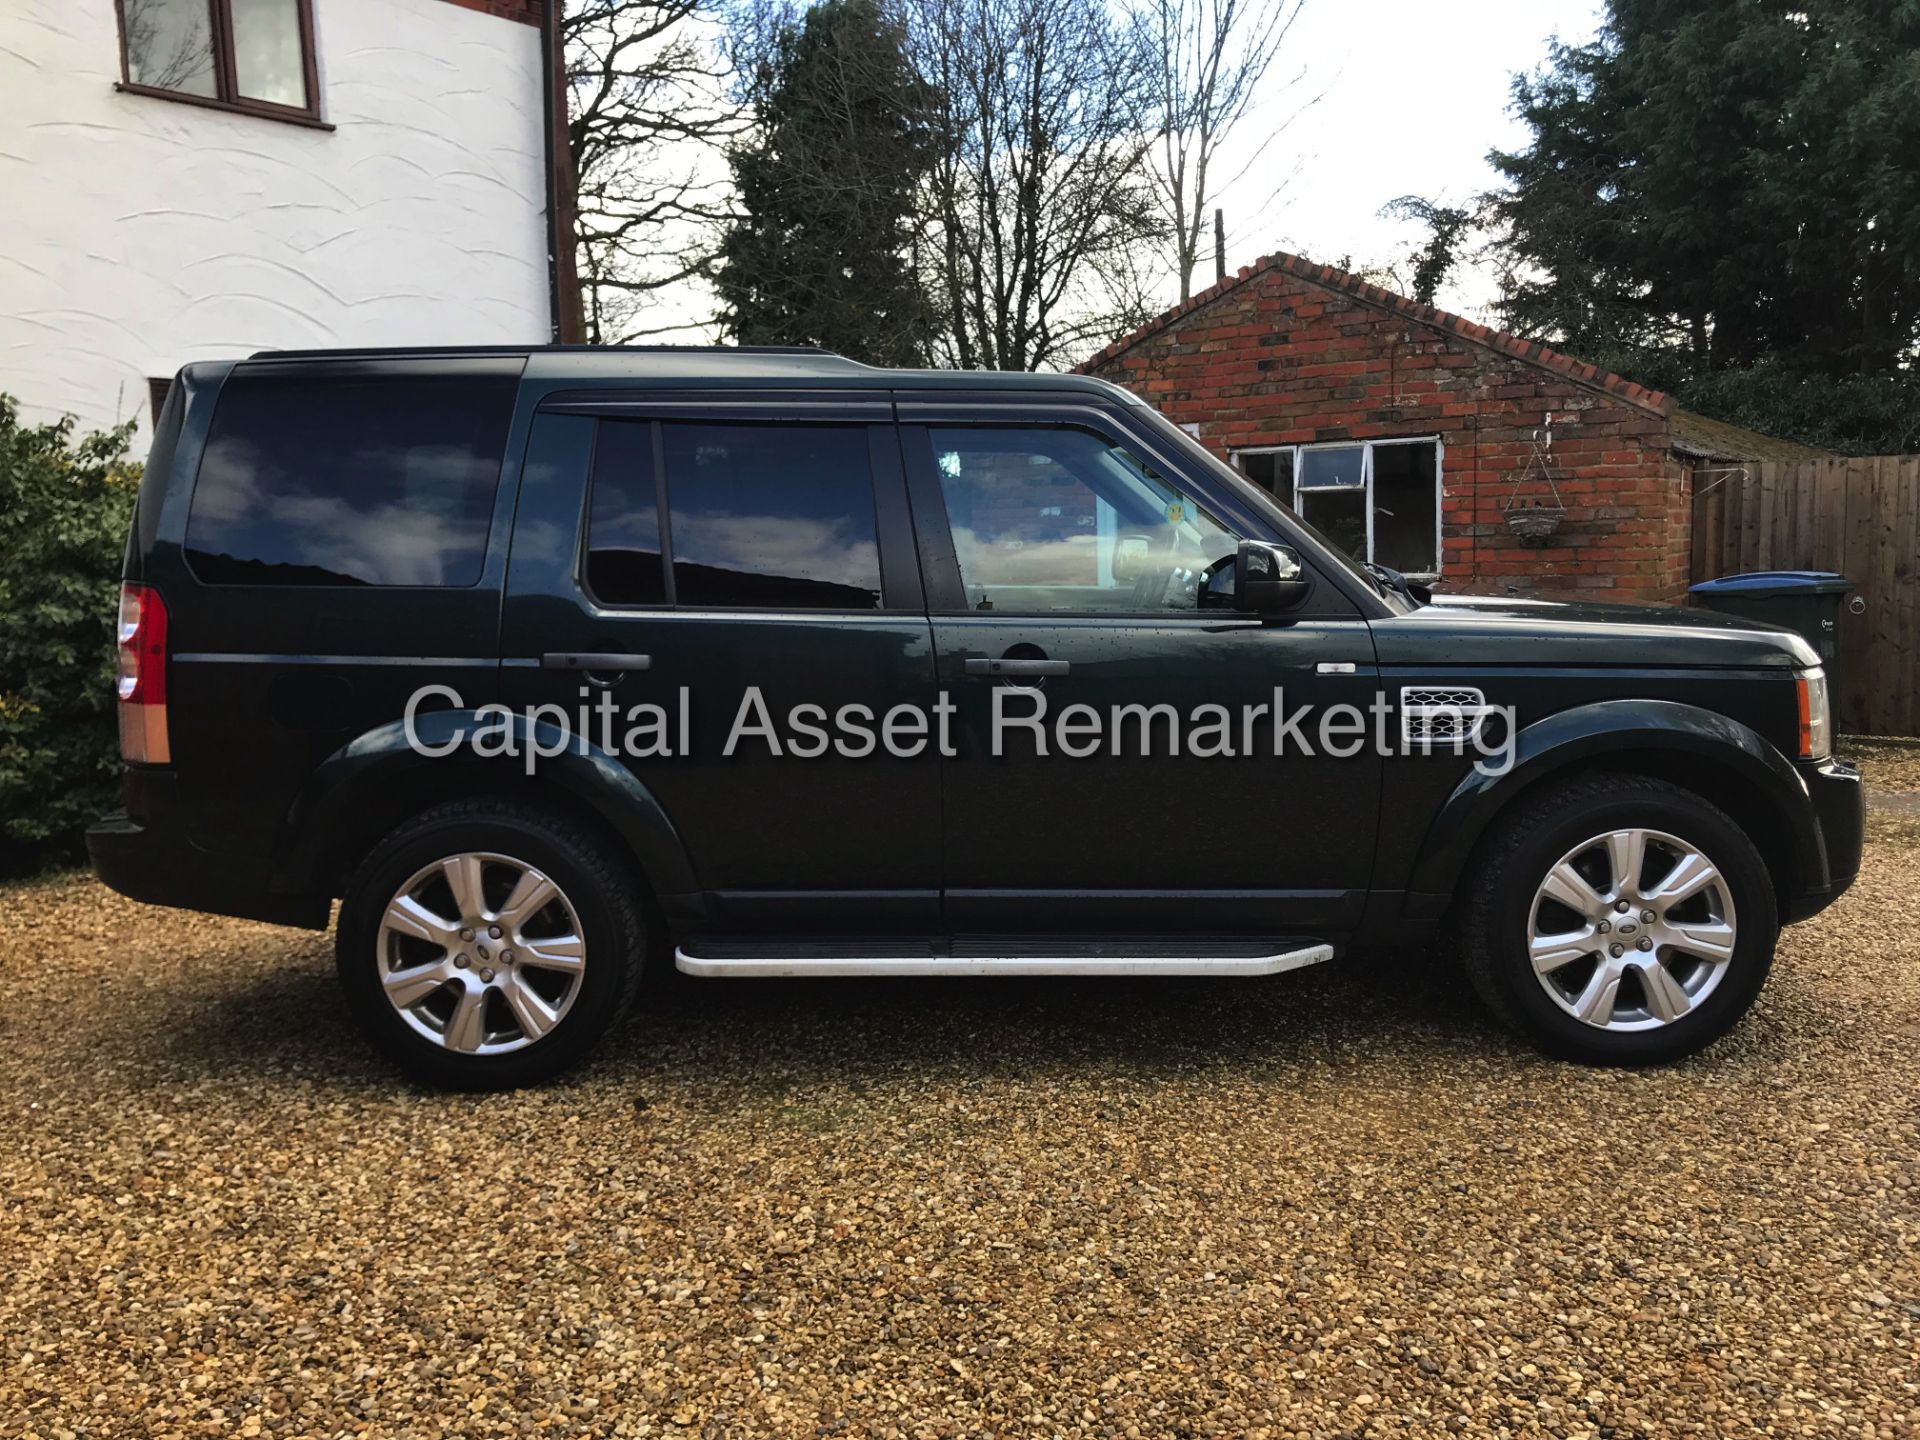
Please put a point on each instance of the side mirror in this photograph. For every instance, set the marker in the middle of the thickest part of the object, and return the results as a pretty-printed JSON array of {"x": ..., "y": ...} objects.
[{"x": 1268, "y": 578}]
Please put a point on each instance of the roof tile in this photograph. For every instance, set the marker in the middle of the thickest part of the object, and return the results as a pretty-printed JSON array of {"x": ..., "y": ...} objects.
[{"x": 1341, "y": 282}]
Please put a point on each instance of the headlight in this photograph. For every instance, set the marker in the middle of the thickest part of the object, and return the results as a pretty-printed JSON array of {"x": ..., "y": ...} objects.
[{"x": 1816, "y": 719}]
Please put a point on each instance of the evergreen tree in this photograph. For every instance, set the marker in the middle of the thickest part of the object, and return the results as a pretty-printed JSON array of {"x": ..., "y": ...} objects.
[
  {"x": 1436, "y": 258},
  {"x": 822, "y": 252},
  {"x": 1719, "y": 184}
]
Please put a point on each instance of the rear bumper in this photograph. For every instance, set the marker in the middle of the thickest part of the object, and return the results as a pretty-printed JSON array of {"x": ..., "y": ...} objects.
[
  {"x": 145, "y": 853},
  {"x": 1840, "y": 813}
]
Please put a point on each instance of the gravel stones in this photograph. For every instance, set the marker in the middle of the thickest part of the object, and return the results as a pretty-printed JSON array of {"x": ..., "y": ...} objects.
[{"x": 1325, "y": 1205}]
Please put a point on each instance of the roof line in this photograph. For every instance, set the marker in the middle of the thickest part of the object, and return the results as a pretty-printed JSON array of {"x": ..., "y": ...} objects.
[
  {"x": 568, "y": 348},
  {"x": 1327, "y": 277}
]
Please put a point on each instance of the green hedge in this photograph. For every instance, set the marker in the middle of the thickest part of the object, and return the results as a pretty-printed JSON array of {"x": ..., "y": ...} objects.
[
  {"x": 64, "y": 508},
  {"x": 1850, "y": 414}
]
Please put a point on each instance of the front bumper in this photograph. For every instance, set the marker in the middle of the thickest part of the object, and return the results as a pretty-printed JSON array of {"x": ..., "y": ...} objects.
[
  {"x": 1833, "y": 787},
  {"x": 145, "y": 852}
]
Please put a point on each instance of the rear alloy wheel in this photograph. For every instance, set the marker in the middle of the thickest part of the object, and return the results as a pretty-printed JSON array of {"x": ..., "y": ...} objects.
[
  {"x": 1619, "y": 920},
  {"x": 481, "y": 953},
  {"x": 488, "y": 944}
]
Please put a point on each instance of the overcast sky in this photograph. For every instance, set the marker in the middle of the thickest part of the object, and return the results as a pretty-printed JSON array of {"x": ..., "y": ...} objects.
[{"x": 1414, "y": 95}]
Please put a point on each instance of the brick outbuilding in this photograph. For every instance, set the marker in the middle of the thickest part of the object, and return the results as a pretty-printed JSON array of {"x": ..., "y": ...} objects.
[{"x": 1416, "y": 436}]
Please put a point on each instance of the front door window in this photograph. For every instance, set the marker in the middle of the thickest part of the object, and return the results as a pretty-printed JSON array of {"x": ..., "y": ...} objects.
[{"x": 1058, "y": 519}]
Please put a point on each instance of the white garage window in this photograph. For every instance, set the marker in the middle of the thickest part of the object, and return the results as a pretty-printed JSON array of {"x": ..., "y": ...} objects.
[{"x": 1378, "y": 500}]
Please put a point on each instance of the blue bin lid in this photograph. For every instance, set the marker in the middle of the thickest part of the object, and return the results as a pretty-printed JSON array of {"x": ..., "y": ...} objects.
[{"x": 1775, "y": 582}]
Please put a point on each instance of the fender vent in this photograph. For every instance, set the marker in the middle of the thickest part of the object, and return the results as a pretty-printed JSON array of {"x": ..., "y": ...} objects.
[{"x": 1441, "y": 717}]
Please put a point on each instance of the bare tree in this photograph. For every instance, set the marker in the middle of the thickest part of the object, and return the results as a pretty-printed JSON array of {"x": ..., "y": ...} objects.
[
  {"x": 168, "y": 47},
  {"x": 1210, "y": 62},
  {"x": 647, "y": 113},
  {"x": 1038, "y": 199}
]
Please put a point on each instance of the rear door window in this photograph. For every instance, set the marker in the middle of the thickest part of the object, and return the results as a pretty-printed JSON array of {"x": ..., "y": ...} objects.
[
  {"x": 772, "y": 515},
  {"x": 350, "y": 481},
  {"x": 762, "y": 516},
  {"x": 625, "y": 563}
]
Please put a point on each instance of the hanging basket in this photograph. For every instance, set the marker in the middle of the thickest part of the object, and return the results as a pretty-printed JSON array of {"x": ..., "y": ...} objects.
[{"x": 1534, "y": 523}]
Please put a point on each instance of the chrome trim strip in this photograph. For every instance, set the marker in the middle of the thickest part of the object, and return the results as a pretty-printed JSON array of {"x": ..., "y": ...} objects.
[
  {"x": 798, "y": 617},
  {"x": 438, "y": 662},
  {"x": 1186, "y": 619},
  {"x": 774, "y": 967},
  {"x": 668, "y": 406}
]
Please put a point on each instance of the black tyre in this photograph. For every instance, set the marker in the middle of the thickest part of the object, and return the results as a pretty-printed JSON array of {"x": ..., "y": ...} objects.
[
  {"x": 1618, "y": 920},
  {"x": 487, "y": 944}
]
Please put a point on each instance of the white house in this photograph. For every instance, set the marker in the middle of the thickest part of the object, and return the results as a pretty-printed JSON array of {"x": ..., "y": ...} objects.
[{"x": 197, "y": 179}]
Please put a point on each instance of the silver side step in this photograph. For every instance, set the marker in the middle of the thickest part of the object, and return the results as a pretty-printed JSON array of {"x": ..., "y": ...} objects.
[{"x": 771, "y": 965}]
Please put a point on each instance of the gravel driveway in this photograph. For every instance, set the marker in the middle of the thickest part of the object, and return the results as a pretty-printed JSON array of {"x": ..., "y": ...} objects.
[{"x": 1321, "y": 1205}]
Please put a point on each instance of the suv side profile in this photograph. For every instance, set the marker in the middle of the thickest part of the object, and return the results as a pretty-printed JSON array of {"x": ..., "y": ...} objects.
[{"x": 554, "y": 663}]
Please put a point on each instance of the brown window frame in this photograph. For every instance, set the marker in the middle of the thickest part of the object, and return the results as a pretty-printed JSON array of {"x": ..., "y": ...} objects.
[
  {"x": 225, "y": 70},
  {"x": 157, "y": 388}
]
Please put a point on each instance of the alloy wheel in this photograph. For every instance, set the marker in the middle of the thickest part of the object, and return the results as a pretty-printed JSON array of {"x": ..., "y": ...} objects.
[
  {"x": 481, "y": 953},
  {"x": 1631, "y": 930}
]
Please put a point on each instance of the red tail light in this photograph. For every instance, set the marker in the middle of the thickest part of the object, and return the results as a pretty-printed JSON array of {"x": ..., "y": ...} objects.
[{"x": 143, "y": 676}]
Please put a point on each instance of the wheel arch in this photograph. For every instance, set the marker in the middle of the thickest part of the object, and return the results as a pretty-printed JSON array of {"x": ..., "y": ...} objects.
[
  {"x": 1715, "y": 757},
  {"x": 367, "y": 788}
]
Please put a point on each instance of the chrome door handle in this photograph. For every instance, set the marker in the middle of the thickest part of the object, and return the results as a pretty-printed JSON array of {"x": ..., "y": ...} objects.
[
  {"x": 1018, "y": 667},
  {"x": 603, "y": 661}
]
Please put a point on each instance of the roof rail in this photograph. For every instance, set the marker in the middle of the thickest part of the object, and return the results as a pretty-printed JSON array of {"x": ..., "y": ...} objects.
[{"x": 401, "y": 351}]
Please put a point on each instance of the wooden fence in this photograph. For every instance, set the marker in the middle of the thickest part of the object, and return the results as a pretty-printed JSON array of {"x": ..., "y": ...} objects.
[{"x": 1860, "y": 517}]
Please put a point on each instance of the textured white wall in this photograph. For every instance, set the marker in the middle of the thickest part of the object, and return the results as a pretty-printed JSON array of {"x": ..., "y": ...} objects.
[{"x": 137, "y": 234}]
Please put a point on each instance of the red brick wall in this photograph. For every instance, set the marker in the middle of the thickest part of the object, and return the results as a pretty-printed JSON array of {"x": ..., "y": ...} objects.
[{"x": 1280, "y": 360}]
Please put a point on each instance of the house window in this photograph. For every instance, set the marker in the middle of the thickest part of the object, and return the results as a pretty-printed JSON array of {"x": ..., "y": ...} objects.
[
  {"x": 1378, "y": 500},
  {"x": 252, "y": 55}
]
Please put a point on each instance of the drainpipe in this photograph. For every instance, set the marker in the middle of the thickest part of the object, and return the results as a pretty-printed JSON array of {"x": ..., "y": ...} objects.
[{"x": 565, "y": 325}]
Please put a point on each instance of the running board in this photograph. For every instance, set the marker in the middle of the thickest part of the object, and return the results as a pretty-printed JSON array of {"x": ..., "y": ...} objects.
[{"x": 998, "y": 956}]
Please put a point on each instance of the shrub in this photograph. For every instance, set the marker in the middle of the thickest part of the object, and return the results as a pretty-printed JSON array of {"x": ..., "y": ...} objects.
[
  {"x": 1851, "y": 414},
  {"x": 64, "y": 510}
]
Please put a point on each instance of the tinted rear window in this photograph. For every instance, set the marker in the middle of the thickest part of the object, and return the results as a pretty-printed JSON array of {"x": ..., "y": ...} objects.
[
  {"x": 320, "y": 481},
  {"x": 772, "y": 515},
  {"x": 624, "y": 565}
]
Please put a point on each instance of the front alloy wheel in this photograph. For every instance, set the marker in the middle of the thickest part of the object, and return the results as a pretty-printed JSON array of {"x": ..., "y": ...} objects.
[
  {"x": 1618, "y": 919},
  {"x": 1631, "y": 930}
]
